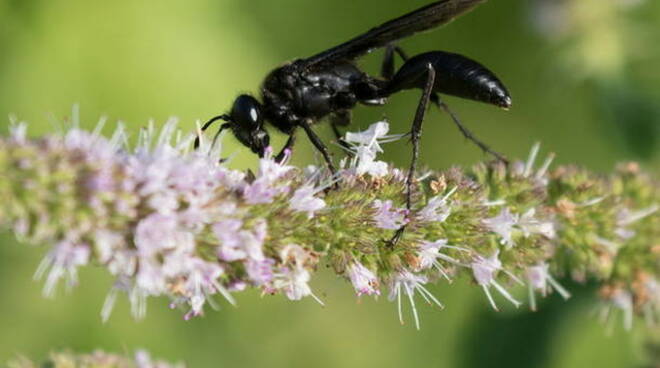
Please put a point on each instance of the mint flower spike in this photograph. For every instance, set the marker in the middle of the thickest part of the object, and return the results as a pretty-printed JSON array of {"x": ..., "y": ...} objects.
[
  {"x": 97, "y": 358},
  {"x": 165, "y": 220}
]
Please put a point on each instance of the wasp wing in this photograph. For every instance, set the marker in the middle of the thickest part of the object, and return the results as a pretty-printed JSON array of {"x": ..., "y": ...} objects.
[{"x": 423, "y": 19}]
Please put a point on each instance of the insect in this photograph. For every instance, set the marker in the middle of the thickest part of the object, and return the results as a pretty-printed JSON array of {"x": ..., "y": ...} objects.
[{"x": 329, "y": 84}]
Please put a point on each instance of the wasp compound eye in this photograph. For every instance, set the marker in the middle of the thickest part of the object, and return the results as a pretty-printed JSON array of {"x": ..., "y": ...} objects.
[{"x": 247, "y": 111}]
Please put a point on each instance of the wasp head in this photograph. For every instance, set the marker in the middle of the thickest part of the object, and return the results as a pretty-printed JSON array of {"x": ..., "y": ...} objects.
[
  {"x": 248, "y": 125},
  {"x": 246, "y": 122}
]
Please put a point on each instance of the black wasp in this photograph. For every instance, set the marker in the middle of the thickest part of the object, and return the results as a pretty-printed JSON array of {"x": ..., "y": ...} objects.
[{"x": 329, "y": 84}]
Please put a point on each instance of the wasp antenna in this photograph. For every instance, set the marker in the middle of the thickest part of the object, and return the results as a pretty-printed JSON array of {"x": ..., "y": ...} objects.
[{"x": 223, "y": 117}]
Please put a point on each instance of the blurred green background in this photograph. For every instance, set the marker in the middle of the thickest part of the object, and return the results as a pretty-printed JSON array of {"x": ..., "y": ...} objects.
[{"x": 585, "y": 81}]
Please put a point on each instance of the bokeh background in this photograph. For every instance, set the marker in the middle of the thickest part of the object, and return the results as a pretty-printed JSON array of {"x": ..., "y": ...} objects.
[{"x": 585, "y": 80}]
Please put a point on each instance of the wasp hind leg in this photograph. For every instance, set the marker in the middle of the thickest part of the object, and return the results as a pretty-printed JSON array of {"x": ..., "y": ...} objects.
[
  {"x": 435, "y": 98},
  {"x": 388, "y": 71},
  {"x": 415, "y": 135}
]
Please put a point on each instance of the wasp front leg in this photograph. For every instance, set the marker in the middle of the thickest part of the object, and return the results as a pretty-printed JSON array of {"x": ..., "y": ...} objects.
[
  {"x": 318, "y": 143},
  {"x": 287, "y": 150},
  {"x": 341, "y": 119}
]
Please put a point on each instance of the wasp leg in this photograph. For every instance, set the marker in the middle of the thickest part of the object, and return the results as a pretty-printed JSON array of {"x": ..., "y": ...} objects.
[
  {"x": 415, "y": 134},
  {"x": 316, "y": 141},
  {"x": 466, "y": 132},
  {"x": 287, "y": 147},
  {"x": 387, "y": 68},
  {"x": 215, "y": 137},
  {"x": 341, "y": 119},
  {"x": 208, "y": 124},
  {"x": 387, "y": 72}
]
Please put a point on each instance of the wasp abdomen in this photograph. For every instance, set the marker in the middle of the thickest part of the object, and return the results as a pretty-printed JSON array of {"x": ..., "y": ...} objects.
[{"x": 456, "y": 75}]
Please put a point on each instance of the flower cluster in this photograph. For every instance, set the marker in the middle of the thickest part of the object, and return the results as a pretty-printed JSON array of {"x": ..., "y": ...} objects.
[
  {"x": 97, "y": 359},
  {"x": 168, "y": 221}
]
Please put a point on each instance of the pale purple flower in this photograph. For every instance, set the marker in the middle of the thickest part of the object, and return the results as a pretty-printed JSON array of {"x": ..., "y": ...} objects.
[
  {"x": 484, "y": 271},
  {"x": 158, "y": 232},
  {"x": 294, "y": 254},
  {"x": 388, "y": 217},
  {"x": 91, "y": 146},
  {"x": 370, "y": 136},
  {"x": 626, "y": 217},
  {"x": 237, "y": 285},
  {"x": 228, "y": 233},
  {"x": 232, "y": 179},
  {"x": 263, "y": 191},
  {"x": 538, "y": 278},
  {"x": 267, "y": 185},
  {"x": 121, "y": 284},
  {"x": 106, "y": 243},
  {"x": 137, "y": 297},
  {"x": 364, "y": 281},
  {"x": 529, "y": 225},
  {"x": 150, "y": 279},
  {"x": 260, "y": 272},
  {"x": 190, "y": 279},
  {"x": 195, "y": 217},
  {"x": 151, "y": 172},
  {"x": 367, "y": 163},
  {"x": 429, "y": 253},
  {"x": 239, "y": 244},
  {"x": 624, "y": 234},
  {"x": 165, "y": 201},
  {"x": 253, "y": 241},
  {"x": 304, "y": 200},
  {"x": 365, "y": 147},
  {"x": 63, "y": 261},
  {"x": 271, "y": 170},
  {"x": 502, "y": 224},
  {"x": 194, "y": 178},
  {"x": 622, "y": 300},
  {"x": 138, "y": 301},
  {"x": 123, "y": 262},
  {"x": 293, "y": 279},
  {"x": 202, "y": 282},
  {"x": 102, "y": 181},
  {"x": 527, "y": 169},
  {"x": 437, "y": 209},
  {"x": 405, "y": 282}
]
